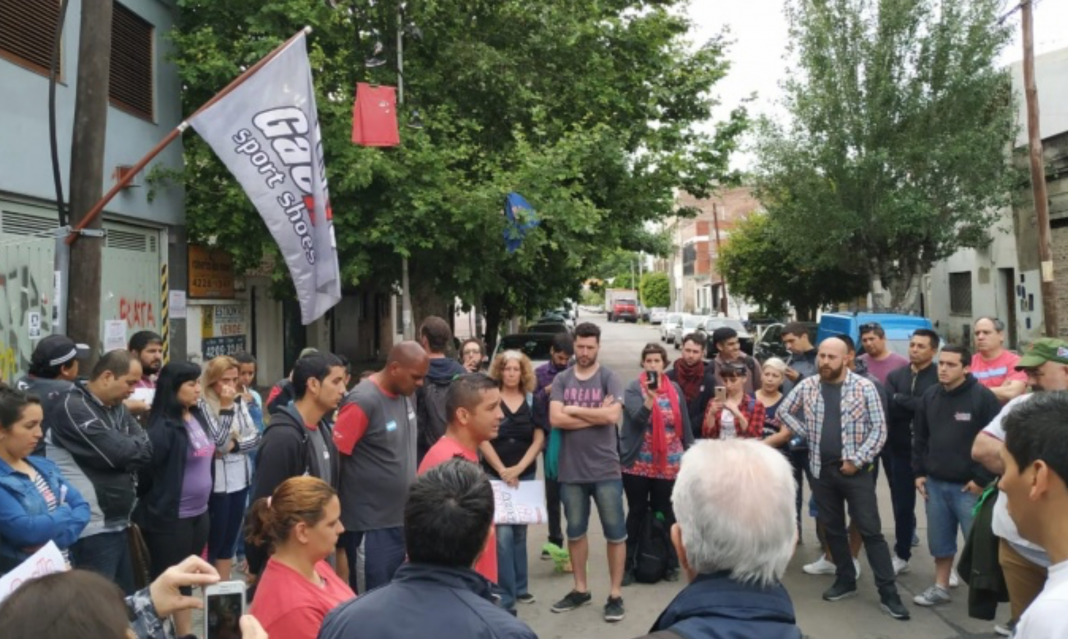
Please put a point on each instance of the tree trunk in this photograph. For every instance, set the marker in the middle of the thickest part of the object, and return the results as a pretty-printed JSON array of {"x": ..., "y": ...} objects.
[
  {"x": 493, "y": 308},
  {"x": 905, "y": 291}
]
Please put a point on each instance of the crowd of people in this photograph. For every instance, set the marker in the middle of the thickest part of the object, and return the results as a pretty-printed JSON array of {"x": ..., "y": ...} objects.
[{"x": 369, "y": 511}]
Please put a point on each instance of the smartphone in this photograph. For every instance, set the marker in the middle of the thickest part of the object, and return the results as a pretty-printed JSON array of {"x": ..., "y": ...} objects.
[
  {"x": 652, "y": 380},
  {"x": 224, "y": 603},
  {"x": 721, "y": 393}
]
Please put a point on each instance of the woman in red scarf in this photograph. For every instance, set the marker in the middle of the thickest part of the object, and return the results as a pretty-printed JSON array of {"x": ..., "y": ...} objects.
[{"x": 656, "y": 431}]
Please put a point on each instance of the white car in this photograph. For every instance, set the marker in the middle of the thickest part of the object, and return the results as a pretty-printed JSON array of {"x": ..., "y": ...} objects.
[
  {"x": 689, "y": 324},
  {"x": 667, "y": 327},
  {"x": 657, "y": 315}
]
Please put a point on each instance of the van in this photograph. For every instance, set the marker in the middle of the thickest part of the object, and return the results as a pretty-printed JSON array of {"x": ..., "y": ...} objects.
[{"x": 898, "y": 328}]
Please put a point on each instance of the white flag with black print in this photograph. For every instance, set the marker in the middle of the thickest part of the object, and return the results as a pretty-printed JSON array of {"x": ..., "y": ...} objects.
[{"x": 266, "y": 131}]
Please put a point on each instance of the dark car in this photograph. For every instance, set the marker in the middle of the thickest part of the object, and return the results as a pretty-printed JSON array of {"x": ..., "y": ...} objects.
[
  {"x": 770, "y": 343},
  {"x": 547, "y": 327},
  {"x": 536, "y": 346}
]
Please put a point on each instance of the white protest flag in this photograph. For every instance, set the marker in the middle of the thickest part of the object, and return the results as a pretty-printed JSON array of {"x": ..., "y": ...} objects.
[{"x": 266, "y": 131}]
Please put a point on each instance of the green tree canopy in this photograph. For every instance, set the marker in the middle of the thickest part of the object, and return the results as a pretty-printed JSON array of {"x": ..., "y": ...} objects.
[
  {"x": 584, "y": 107},
  {"x": 895, "y": 149},
  {"x": 760, "y": 267},
  {"x": 656, "y": 290}
]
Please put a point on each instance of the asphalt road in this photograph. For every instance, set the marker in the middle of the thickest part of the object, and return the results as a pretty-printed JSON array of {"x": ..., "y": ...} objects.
[{"x": 855, "y": 618}]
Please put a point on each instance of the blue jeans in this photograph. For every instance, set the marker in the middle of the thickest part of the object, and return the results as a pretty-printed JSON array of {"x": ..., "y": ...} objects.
[
  {"x": 227, "y": 511},
  {"x": 511, "y": 563},
  {"x": 107, "y": 554},
  {"x": 383, "y": 555},
  {"x": 608, "y": 495},
  {"x": 949, "y": 507},
  {"x": 898, "y": 466}
]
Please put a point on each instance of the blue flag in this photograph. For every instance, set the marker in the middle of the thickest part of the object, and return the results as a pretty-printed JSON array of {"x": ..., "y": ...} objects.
[{"x": 521, "y": 218}]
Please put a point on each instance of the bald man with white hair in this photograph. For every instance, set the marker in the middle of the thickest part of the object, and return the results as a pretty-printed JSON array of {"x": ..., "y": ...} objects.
[
  {"x": 735, "y": 534},
  {"x": 841, "y": 415}
]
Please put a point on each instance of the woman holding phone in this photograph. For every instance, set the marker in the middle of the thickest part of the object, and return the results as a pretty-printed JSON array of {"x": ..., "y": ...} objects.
[
  {"x": 732, "y": 414},
  {"x": 512, "y": 457},
  {"x": 37, "y": 505},
  {"x": 656, "y": 431},
  {"x": 173, "y": 492},
  {"x": 233, "y": 469},
  {"x": 300, "y": 523}
]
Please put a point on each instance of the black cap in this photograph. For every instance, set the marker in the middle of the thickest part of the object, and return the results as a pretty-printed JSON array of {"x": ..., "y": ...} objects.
[{"x": 57, "y": 350}]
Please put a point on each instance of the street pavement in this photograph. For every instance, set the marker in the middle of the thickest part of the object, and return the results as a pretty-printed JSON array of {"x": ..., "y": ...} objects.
[{"x": 857, "y": 618}]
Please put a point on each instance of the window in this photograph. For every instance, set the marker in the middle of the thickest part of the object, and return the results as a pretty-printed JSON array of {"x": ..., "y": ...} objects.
[
  {"x": 960, "y": 293},
  {"x": 130, "y": 84},
  {"x": 27, "y": 32}
]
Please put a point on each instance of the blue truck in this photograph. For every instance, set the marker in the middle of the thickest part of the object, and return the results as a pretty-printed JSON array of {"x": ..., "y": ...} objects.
[{"x": 899, "y": 328}]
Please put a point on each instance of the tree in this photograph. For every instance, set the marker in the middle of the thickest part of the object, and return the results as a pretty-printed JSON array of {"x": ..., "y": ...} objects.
[
  {"x": 897, "y": 137},
  {"x": 760, "y": 267},
  {"x": 586, "y": 108},
  {"x": 656, "y": 290}
]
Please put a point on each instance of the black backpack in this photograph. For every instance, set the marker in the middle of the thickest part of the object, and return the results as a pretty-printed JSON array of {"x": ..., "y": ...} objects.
[
  {"x": 431, "y": 416},
  {"x": 655, "y": 555}
]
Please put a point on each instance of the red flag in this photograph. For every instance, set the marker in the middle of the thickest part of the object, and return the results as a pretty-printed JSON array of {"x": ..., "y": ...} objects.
[{"x": 374, "y": 116}]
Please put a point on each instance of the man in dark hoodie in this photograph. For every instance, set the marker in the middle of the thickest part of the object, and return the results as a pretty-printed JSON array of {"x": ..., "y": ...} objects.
[
  {"x": 435, "y": 336},
  {"x": 54, "y": 366},
  {"x": 948, "y": 418},
  {"x": 376, "y": 437},
  {"x": 560, "y": 354},
  {"x": 905, "y": 386},
  {"x": 300, "y": 440}
]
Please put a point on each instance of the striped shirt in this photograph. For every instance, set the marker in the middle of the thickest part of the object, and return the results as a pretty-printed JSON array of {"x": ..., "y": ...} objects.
[
  {"x": 863, "y": 419},
  {"x": 50, "y": 499}
]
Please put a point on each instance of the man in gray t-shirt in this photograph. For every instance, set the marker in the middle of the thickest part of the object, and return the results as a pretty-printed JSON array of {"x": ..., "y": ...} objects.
[
  {"x": 585, "y": 408},
  {"x": 376, "y": 436}
]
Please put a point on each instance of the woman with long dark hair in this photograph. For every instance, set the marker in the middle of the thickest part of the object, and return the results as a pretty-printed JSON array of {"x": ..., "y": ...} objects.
[
  {"x": 656, "y": 431},
  {"x": 173, "y": 491},
  {"x": 37, "y": 505}
]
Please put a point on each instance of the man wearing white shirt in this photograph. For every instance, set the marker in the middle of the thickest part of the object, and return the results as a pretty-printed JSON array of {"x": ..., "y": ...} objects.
[
  {"x": 1035, "y": 456},
  {"x": 1023, "y": 562}
]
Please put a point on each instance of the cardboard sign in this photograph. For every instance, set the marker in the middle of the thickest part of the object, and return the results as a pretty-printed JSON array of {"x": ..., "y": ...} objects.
[
  {"x": 522, "y": 505},
  {"x": 45, "y": 561}
]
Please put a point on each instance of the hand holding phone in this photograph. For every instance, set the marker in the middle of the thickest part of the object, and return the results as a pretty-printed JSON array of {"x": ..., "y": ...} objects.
[
  {"x": 652, "y": 380},
  {"x": 224, "y": 606},
  {"x": 721, "y": 394}
]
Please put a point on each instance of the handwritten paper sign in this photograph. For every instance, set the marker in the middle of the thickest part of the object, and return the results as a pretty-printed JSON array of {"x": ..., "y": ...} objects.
[
  {"x": 45, "y": 561},
  {"x": 522, "y": 505}
]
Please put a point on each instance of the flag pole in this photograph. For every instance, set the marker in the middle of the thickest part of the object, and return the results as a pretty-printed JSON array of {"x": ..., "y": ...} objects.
[{"x": 174, "y": 135}]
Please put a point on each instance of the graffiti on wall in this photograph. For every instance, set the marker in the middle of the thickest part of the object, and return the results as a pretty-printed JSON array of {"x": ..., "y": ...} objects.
[
  {"x": 25, "y": 317},
  {"x": 137, "y": 313}
]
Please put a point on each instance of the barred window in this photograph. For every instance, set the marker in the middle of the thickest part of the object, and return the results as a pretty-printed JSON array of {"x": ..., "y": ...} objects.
[
  {"x": 960, "y": 293},
  {"x": 130, "y": 84},
  {"x": 27, "y": 31}
]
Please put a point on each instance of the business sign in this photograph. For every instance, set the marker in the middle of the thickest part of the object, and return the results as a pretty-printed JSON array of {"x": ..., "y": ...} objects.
[
  {"x": 211, "y": 274},
  {"x": 222, "y": 330}
]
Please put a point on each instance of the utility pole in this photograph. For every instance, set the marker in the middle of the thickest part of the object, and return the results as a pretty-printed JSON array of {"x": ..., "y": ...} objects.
[
  {"x": 1038, "y": 172},
  {"x": 87, "y": 170},
  {"x": 406, "y": 291},
  {"x": 719, "y": 250}
]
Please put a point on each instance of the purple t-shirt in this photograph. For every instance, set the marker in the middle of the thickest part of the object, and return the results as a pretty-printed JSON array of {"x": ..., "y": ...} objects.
[
  {"x": 196, "y": 484},
  {"x": 883, "y": 367}
]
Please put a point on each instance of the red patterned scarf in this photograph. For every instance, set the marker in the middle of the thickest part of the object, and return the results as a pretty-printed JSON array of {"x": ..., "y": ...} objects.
[
  {"x": 690, "y": 377},
  {"x": 659, "y": 438}
]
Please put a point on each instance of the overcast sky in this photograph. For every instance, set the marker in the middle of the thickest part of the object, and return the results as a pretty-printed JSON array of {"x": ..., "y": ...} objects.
[{"x": 758, "y": 28}]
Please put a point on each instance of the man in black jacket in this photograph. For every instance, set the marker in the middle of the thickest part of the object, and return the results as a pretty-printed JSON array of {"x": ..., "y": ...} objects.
[
  {"x": 54, "y": 366},
  {"x": 99, "y": 446},
  {"x": 447, "y": 520},
  {"x": 905, "y": 386},
  {"x": 948, "y": 418},
  {"x": 434, "y": 337},
  {"x": 300, "y": 440}
]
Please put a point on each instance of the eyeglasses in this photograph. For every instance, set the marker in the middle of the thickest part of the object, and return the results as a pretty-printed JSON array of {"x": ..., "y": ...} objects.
[{"x": 472, "y": 352}]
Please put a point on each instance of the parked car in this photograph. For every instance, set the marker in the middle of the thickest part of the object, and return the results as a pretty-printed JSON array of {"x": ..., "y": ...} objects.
[
  {"x": 769, "y": 344},
  {"x": 688, "y": 325},
  {"x": 898, "y": 327},
  {"x": 657, "y": 315},
  {"x": 667, "y": 327},
  {"x": 556, "y": 317},
  {"x": 536, "y": 346},
  {"x": 547, "y": 327},
  {"x": 710, "y": 324},
  {"x": 624, "y": 309}
]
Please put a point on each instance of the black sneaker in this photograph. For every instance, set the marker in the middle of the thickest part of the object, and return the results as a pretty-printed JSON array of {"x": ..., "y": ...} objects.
[
  {"x": 672, "y": 575},
  {"x": 574, "y": 599},
  {"x": 840, "y": 590},
  {"x": 891, "y": 604},
  {"x": 613, "y": 610},
  {"x": 545, "y": 556},
  {"x": 526, "y": 598}
]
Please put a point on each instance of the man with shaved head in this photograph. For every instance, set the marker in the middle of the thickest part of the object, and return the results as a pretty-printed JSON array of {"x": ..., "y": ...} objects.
[
  {"x": 842, "y": 417},
  {"x": 376, "y": 436}
]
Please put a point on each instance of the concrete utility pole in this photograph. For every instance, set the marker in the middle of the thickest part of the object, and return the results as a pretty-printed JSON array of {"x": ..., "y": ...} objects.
[
  {"x": 1038, "y": 172},
  {"x": 719, "y": 250},
  {"x": 87, "y": 169},
  {"x": 406, "y": 292}
]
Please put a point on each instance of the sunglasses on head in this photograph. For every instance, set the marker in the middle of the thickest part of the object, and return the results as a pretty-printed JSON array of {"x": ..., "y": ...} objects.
[
  {"x": 870, "y": 326},
  {"x": 731, "y": 376}
]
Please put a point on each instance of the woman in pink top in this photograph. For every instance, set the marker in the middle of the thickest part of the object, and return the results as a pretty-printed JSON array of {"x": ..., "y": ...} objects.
[{"x": 301, "y": 523}]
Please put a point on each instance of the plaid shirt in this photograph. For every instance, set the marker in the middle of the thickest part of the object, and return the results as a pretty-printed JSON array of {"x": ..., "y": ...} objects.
[
  {"x": 144, "y": 620},
  {"x": 863, "y": 419},
  {"x": 750, "y": 408}
]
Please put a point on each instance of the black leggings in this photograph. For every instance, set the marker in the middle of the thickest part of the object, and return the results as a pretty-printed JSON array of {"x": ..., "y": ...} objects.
[
  {"x": 171, "y": 544},
  {"x": 644, "y": 493}
]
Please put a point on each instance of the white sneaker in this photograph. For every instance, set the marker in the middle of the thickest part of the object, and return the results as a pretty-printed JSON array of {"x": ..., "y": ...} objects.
[
  {"x": 856, "y": 566},
  {"x": 821, "y": 566},
  {"x": 954, "y": 579},
  {"x": 933, "y": 596},
  {"x": 900, "y": 565}
]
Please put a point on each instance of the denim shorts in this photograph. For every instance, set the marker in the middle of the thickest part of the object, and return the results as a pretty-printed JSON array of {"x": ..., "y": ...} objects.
[
  {"x": 949, "y": 508},
  {"x": 608, "y": 495}
]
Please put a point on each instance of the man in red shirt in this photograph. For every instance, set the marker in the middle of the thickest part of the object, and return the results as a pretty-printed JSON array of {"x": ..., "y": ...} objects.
[
  {"x": 474, "y": 409},
  {"x": 993, "y": 365}
]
